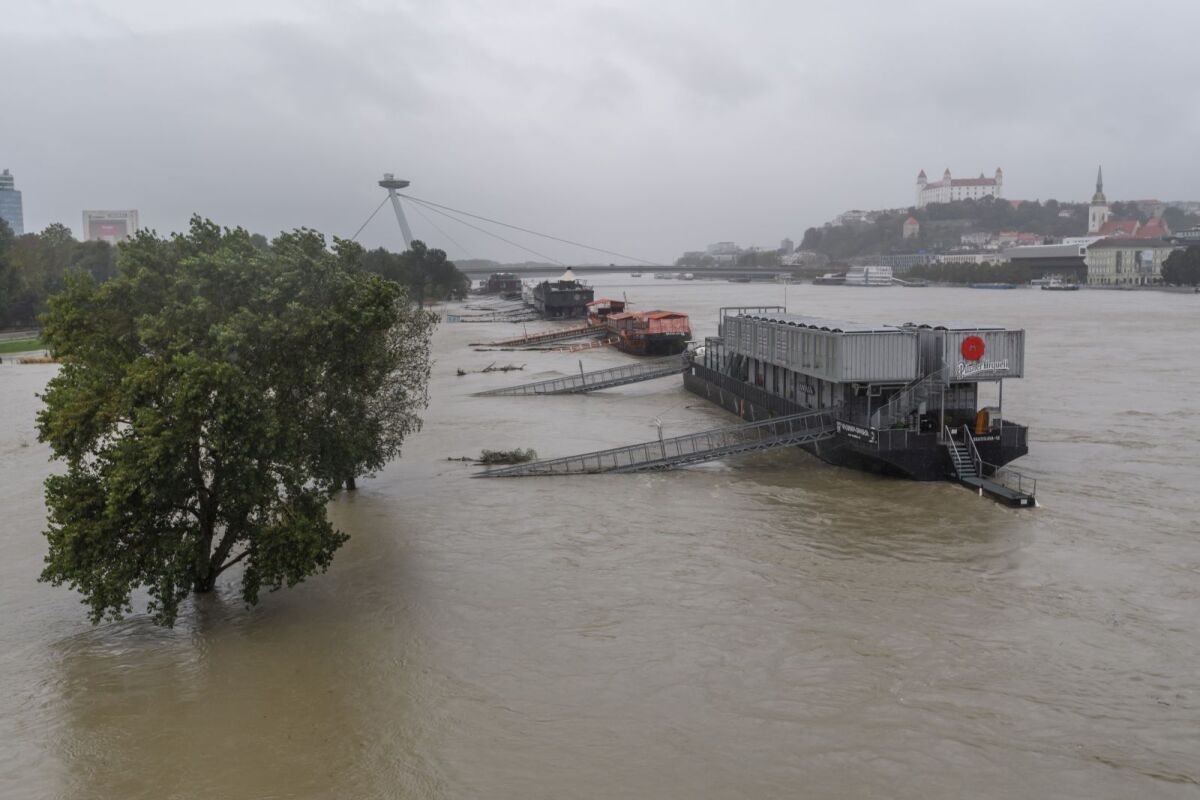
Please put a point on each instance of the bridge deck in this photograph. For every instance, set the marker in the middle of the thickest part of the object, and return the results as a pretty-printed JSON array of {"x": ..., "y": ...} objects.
[
  {"x": 591, "y": 381},
  {"x": 677, "y": 451}
]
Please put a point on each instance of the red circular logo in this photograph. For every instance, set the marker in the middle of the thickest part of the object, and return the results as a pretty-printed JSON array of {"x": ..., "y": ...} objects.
[{"x": 972, "y": 348}]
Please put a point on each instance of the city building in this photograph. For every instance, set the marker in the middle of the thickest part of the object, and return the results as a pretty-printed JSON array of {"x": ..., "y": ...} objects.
[
  {"x": 1188, "y": 237},
  {"x": 11, "y": 210},
  {"x": 949, "y": 189},
  {"x": 109, "y": 226},
  {"x": 977, "y": 239},
  {"x": 972, "y": 258},
  {"x": 1101, "y": 223},
  {"x": 787, "y": 247},
  {"x": 899, "y": 262},
  {"x": 1126, "y": 262},
  {"x": 912, "y": 227},
  {"x": 1067, "y": 261}
]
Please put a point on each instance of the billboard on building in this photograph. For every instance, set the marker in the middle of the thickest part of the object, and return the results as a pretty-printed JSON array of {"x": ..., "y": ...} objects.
[{"x": 109, "y": 226}]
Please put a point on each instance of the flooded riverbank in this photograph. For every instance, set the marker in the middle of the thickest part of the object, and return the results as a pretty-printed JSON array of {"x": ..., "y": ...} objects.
[{"x": 764, "y": 626}]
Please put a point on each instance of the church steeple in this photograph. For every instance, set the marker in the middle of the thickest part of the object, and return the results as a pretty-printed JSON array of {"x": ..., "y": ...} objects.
[{"x": 1098, "y": 212}]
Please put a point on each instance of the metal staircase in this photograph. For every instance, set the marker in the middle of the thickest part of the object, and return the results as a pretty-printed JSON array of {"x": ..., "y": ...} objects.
[
  {"x": 1001, "y": 483},
  {"x": 929, "y": 390},
  {"x": 677, "y": 451},
  {"x": 591, "y": 381}
]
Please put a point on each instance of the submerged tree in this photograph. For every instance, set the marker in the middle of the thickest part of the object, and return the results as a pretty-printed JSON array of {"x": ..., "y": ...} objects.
[{"x": 213, "y": 395}]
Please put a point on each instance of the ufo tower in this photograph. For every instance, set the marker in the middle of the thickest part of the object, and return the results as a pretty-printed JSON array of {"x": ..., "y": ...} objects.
[{"x": 391, "y": 183}]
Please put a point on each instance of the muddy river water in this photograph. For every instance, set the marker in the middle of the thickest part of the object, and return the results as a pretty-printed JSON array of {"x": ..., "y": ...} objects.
[{"x": 766, "y": 626}]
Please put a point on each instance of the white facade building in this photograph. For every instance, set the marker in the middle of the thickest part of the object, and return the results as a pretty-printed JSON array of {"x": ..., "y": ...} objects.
[
  {"x": 949, "y": 190},
  {"x": 110, "y": 226}
]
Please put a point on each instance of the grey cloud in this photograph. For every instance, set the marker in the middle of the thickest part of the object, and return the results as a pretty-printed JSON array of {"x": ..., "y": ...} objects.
[{"x": 647, "y": 128}]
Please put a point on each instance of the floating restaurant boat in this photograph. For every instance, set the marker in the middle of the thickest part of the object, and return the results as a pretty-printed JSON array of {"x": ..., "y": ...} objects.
[
  {"x": 566, "y": 297},
  {"x": 901, "y": 400},
  {"x": 650, "y": 333},
  {"x": 993, "y": 286},
  {"x": 869, "y": 276},
  {"x": 641, "y": 333}
]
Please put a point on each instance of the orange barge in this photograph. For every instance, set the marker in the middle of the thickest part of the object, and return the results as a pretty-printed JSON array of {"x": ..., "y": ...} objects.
[{"x": 642, "y": 333}]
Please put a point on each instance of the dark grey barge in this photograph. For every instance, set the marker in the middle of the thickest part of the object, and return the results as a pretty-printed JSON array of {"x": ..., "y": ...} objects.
[{"x": 905, "y": 399}]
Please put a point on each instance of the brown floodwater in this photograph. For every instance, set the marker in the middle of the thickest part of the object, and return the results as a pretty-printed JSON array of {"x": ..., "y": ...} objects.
[{"x": 766, "y": 626}]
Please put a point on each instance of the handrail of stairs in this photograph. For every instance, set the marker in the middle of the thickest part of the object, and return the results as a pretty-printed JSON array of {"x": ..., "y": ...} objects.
[{"x": 905, "y": 401}]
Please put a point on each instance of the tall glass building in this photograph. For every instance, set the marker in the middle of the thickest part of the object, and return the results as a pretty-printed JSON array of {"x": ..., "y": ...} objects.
[{"x": 10, "y": 204}]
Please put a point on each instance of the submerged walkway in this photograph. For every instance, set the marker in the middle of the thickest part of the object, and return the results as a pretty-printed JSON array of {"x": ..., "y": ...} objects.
[
  {"x": 558, "y": 335},
  {"x": 677, "y": 451},
  {"x": 591, "y": 381}
]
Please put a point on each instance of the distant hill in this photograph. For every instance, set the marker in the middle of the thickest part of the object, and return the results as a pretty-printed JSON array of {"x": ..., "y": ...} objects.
[{"x": 943, "y": 224}]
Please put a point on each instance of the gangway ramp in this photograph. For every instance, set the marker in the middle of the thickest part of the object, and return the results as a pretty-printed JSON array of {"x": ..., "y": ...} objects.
[
  {"x": 677, "y": 451},
  {"x": 591, "y": 381},
  {"x": 558, "y": 335}
]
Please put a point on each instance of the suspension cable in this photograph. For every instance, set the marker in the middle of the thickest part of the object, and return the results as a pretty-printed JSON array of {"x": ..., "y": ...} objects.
[
  {"x": 535, "y": 233},
  {"x": 484, "y": 231},
  {"x": 433, "y": 224},
  {"x": 368, "y": 222}
]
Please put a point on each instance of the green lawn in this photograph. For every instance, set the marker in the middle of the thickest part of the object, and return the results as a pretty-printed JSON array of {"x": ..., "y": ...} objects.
[{"x": 20, "y": 346}]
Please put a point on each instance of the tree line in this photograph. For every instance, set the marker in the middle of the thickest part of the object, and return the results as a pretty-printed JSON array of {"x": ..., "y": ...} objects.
[
  {"x": 35, "y": 266},
  {"x": 1182, "y": 267}
]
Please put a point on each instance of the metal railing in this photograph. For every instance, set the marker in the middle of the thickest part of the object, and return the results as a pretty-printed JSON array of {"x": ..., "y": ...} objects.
[
  {"x": 973, "y": 451},
  {"x": 1005, "y": 476},
  {"x": 690, "y": 448},
  {"x": 1017, "y": 481},
  {"x": 590, "y": 381},
  {"x": 909, "y": 399},
  {"x": 548, "y": 336},
  {"x": 753, "y": 395}
]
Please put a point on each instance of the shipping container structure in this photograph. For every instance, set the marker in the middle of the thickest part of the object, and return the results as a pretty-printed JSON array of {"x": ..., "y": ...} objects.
[{"x": 907, "y": 397}]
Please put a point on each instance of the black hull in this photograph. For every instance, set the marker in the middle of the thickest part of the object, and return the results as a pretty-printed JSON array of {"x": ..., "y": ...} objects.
[
  {"x": 919, "y": 457},
  {"x": 653, "y": 345}
]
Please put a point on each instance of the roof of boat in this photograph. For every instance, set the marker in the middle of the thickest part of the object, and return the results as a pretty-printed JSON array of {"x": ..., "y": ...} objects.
[
  {"x": 955, "y": 325},
  {"x": 823, "y": 323}
]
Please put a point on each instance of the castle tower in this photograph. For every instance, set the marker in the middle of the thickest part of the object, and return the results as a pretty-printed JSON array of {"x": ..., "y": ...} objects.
[
  {"x": 1098, "y": 212},
  {"x": 921, "y": 181}
]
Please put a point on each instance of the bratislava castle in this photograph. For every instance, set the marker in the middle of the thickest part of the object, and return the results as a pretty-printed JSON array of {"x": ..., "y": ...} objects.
[{"x": 949, "y": 189}]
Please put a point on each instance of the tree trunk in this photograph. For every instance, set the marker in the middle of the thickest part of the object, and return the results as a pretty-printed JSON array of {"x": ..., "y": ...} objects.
[{"x": 350, "y": 484}]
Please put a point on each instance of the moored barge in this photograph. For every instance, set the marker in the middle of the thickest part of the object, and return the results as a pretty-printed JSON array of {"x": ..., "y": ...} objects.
[
  {"x": 641, "y": 333},
  {"x": 906, "y": 398},
  {"x": 565, "y": 297}
]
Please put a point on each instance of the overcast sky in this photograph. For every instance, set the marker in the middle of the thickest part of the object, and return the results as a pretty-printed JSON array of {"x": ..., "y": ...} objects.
[{"x": 645, "y": 127}]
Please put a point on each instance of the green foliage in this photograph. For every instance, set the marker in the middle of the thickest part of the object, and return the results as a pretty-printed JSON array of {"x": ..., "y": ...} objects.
[
  {"x": 1182, "y": 267},
  {"x": 212, "y": 397},
  {"x": 425, "y": 273},
  {"x": 35, "y": 266},
  {"x": 942, "y": 226},
  {"x": 517, "y": 456},
  {"x": 21, "y": 345}
]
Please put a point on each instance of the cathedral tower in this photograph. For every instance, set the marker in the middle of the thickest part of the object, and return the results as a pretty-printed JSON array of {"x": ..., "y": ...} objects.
[{"x": 1098, "y": 212}]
